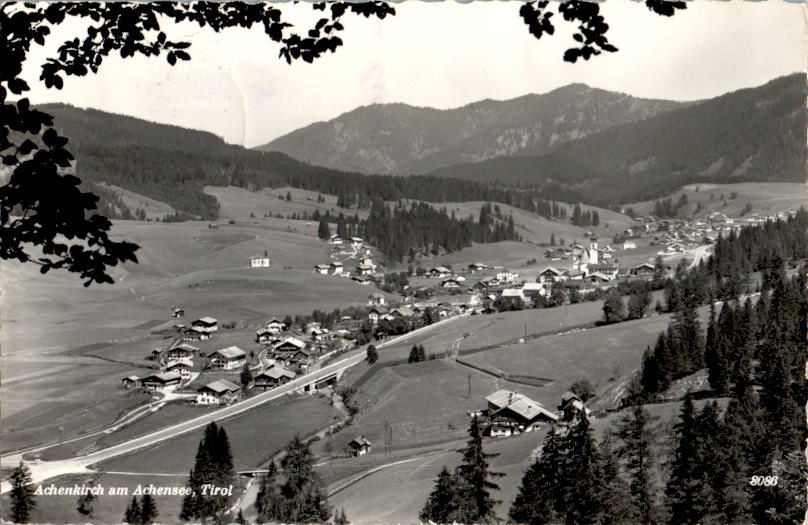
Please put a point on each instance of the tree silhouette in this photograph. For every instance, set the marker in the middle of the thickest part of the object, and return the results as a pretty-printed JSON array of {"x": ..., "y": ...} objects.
[{"x": 22, "y": 494}]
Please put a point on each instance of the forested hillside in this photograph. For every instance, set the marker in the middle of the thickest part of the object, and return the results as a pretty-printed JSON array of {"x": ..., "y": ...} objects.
[
  {"x": 750, "y": 135},
  {"x": 398, "y": 139}
]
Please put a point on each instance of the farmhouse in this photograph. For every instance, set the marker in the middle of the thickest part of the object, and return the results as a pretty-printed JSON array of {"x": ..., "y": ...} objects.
[
  {"x": 356, "y": 242},
  {"x": 272, "y": 377},
  {"x": 364, "y": 269},
  {"x": 228, "y": 358},
  {"x": 507, "y": 276},
  {"x": 360, "y": 446},
  {"x": 264, "y": 336},
  {"x": 290, "y": 344},
  {"x": 219, "y": 392},
  {"x": 376, "y": 313},
  {"x": 195, "y": 333},
  {"x": 364, "y": 280},
  {"x": 260, "y": 261},
  {"x": 511, "y": 413},
  {"x": 322, "y": 268},
  {"x": 549, "y": 275},
  {"x": 476, "y": 267},
  {"x": 376, "y": 299},
  {"x": 450, "y": 283},
  {"x": 533, "y": 289},
  {"x": 131, "y": 381},
  {"x": 629, "y": 245},
  {"x": 162, "y": 381},
  {"x": 644, "y": 270},
  {"x": 401, "y": 311},
  {"x": 177, "y": 312},
  {"x": 208, "y": 324},
  {"x": 183, "y": 352},
  {"x": 571, "y": 407},
  {"x": 335, "y": 240},
  {"x": 336, "y": 268},
  {"x": 439, "y": 272},
  {"x": 179, "y": 367}
]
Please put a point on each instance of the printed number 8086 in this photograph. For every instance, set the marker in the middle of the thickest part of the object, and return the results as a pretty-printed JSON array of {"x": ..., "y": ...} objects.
[{"x": 763, "y": 481}]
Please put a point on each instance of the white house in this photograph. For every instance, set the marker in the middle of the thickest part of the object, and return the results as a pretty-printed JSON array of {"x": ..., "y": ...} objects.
[
  {"x": 260, "y": 261},
  {"x": 228, "y": 358},
  {"x": 507, "y": 276},
  {"x": 206, "y": 324},
  {"x": 336, "y": 268},
  {"x": 629, "y": 245},
  {"x": 322, "y": 268},
  {"x": 219, "y": 392}
]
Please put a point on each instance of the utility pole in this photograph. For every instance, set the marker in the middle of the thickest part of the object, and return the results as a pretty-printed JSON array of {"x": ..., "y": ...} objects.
[
  {"x": 469, "y": 393},
  {"x": 61, "y": 433}
]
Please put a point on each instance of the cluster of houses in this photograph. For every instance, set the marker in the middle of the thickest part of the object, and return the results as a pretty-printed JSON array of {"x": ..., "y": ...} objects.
[
  {"x": 510, "y": 413},
  {"x": 365, "y": 271}
]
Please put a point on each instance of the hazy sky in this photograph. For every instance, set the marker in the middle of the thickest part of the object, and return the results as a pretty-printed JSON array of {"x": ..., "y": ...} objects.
[{"x": 440, "y": 55}]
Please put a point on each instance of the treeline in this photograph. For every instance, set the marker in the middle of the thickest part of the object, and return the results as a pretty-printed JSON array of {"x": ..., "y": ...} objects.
[
  {"x": 667, "y": 208},
  {"x": 418, "y": 228},
  {"x": 584, "y": 218}
]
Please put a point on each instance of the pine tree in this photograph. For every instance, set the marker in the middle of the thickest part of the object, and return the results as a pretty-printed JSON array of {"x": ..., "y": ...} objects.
[
  {"x": 615, "y": 499},
  {"x": 323, "y": 230},
  {"x": 213, "y": 466},
  {"x": 267, "y": 496},
  {"x": 684, "y": 490},
  {"x": 132, "y": 515},
  {"x": 301, "y": 497},
  {"x": 539, "y": 494},
  {"x": 476, "y": 503},
  {"x": 22, "y": 494},
  {"x": 246, "y": 376},
  {"x": 583, "y": 469},
  {"x": 637, "y": 455},
  {"x": 148, "y": 510},
  {"x": 443, "y": 503},
  {"x": 714, "y": 357}
]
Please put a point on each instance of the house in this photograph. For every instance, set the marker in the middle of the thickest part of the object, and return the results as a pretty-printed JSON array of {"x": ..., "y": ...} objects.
[
  {"x": 177, "y": 312},
  {"x": 608, "y": 270},
  {"x": 228, "y": 358},
  {"x": 221, "y": 392},
  {"x": 274, "y": 326},
  {"x": 439, "y": 272},
  {"x": 181, "y": 352},
  {"x": 549, "y": 275},
  {"x": 272, "y": 377},
  {"x": 512, "y": 413},
  {"x": 322, "y": 268},
  {"x": 629, "y": 245},
  {"x": 260, "y": 261},
  {"x": 364, "y": 270},
  {"x": 290, "y": 344},
  {"x": 507, "y": 276},
  {"x": 208, "y": 324},
  {"x": 356, "y": 242},
  {"x": 335, "y": 240},
  {"x": 644, "y": 270},
  {"x": 364, "y": 280},
  {"x": 376, "y": 299},
  {"x": 450, "y": 283},
  {"x": 376, "y": 313},
  {"x": 301, "y": 358},
  {"x": 336, "y": 268},
  {"x": 360, "y": 446},
  {"x": 533, "y": 289},
  {"x": 401, "y": 311},
  {"x": 476, "y": 267},
  {"x": 598, "y": 278},
  {"x": 179, "y": 367},
  {"x": 131, "y": 381},
  {"x": 195, "y": 333},
  {"x": 513, "y": 292},
  {"x": 571, "y": 407},
  {"x": 161, "y": 381},
  {"x": 264, "y": 336},
  {"x": 366, "y": 261}
]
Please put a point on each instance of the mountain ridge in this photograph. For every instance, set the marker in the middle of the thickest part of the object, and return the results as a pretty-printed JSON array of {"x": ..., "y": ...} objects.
[{"x": 398, "y": 138}]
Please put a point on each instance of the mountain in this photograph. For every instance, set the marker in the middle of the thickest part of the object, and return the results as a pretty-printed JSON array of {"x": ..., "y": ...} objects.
[
  {"x": 115, "y": 154},
  {"x": 402, "y": 139},
  {"x": 750, "y": 135}
]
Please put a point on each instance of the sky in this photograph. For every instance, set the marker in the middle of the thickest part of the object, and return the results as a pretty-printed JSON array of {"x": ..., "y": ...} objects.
[{"x": 437, "y": 54}]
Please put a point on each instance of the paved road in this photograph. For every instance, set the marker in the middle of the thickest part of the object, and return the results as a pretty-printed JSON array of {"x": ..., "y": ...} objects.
[{"x": 43, "y": 470}]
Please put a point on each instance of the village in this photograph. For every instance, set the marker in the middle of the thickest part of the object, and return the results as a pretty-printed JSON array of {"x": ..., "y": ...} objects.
[{"x": 192, "y": 368}]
